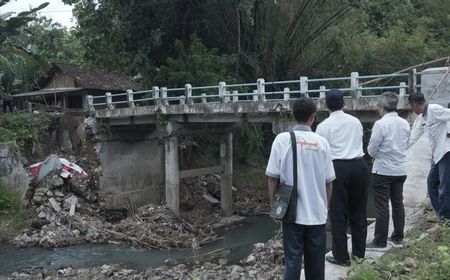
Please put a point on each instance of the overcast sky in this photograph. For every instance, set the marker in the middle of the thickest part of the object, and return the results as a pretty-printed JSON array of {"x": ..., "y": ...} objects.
[{"x": 56, "y": 10}]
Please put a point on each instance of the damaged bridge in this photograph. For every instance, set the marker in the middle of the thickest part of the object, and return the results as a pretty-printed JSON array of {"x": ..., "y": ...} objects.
[{"x": 140, "y": 130}]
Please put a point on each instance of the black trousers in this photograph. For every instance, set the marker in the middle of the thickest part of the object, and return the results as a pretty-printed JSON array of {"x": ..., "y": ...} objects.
[
  {"x": 385, "y": 188},
  {"x": 348, "y": 206},
  {"x": 307, "y": 241}
]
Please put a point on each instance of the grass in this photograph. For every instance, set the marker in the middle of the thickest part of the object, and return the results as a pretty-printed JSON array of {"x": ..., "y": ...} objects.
[
  {"x": 426, "y": 258},
  {"x": 12, "y": 215}
]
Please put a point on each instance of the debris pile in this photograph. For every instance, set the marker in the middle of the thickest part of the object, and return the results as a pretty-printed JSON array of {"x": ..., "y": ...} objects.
[{"x": 66, "y": 211}]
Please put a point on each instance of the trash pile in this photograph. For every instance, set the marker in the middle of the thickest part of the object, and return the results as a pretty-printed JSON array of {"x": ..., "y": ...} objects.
[{"x": 66, "y": 212}]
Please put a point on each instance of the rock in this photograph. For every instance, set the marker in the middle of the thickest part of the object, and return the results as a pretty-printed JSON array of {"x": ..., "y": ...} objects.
[
  {"x": 42, "y": 214},
  {"x": 39, "y": 223},
  {"x": 59, "y": 194},
  {"x": 223, "y": 261},
  {"x": 259, "y": 246},
  {"x": 91, "y": 234},
  {"x": 410, "y": 263},
  {"x": 55, "y": 204},
  {"x": 250, "y": 260},
  {"x": 80, "y": 186},
  {"x": 237, "y": 269},
  {"x": 76, "y": 232},
  {"x": 434, "y": 228}
]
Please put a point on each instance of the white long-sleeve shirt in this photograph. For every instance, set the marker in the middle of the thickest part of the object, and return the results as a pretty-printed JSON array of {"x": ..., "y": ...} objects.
[
  {"x": 344, "y": 133},
  {"x": 434, "y": 120},
  {"x": 388, "y": 144}
]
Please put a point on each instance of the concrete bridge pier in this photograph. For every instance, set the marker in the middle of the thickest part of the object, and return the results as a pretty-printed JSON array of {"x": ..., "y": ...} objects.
[
  {"x": 172, "y": 180},
  {"x": 171, "y": 133},
  {"x": 226, "y": 160}
]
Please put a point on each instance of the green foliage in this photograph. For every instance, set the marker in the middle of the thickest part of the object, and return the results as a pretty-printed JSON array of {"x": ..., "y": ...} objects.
[
  {"x": 427, "y": 259},
  {"x": 6, "y": 135},
  {"x": 196, "y": 65},
  {"x": 26, "y": 57},
  {"x": 8, "y": 202},
  {"x": 23, "y": 127},
  {"x": 12, "y": 25},
  {"x": 11, "y": 214},
  {"x": 249, "y": 142}
]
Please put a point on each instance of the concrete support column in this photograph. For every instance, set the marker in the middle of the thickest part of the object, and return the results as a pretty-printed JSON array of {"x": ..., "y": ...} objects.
[
  {"x": 304, "y": 86},
  {"x": 163, "y": 95},
  {"x": 172, "y": 174},
  {"x": 286, "y": 94},
  {"x": 412, "y": 81},
  {"x": 226, "y": 160},
  {"x": 130, "y": 98},
  {"x": 156, "y": 95},
  {"x": 356, "y": 93}
]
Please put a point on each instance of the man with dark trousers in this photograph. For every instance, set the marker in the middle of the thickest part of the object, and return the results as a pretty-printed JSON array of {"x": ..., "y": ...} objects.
[
  {"x": 349, "y": 199},
  {"x": 306, "y": 237},
  {"x": 433, "y": 119},
  {"x": 387, "y": 146}
]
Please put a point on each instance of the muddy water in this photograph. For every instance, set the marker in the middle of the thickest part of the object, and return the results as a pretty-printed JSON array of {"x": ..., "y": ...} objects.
[{"x": 239, "y": 241}]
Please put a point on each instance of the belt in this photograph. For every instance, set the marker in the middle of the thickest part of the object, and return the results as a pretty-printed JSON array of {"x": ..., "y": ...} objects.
[{"x": 350, "y": 159}]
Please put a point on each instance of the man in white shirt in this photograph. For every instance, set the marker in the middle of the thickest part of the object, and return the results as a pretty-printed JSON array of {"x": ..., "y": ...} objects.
[
  {"x": 387, "y": 146},
  {"x": 349, "y": 200},
  {"x": 307, "y": 236},
  {"x": 433, "y": 119}
]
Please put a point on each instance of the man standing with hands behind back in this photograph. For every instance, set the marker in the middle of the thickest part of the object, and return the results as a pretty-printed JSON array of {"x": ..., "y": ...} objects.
[
  {"x": 349, "y": 199},
  {"x": 387, "y": 146}
]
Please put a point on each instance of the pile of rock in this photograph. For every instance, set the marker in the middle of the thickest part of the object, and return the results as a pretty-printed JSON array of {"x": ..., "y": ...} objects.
[
  {"x": 181, "y": 271},
  {"x": 58, "y": 217}
]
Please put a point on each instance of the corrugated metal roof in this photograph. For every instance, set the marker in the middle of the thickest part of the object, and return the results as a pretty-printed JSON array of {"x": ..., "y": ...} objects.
[{"x": 46, "y": 91}]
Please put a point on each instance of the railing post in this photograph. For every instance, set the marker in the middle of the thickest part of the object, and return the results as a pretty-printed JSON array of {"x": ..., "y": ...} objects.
[
  {"x": 255, "y": 95},
  {"x": 222, "y": 92},
  {"x": 354, "y": 86},
  {"x": 402, "y": 93},
  {"x": 304, "y": 86},
  {"x": 109, "y": 100},
  {"x": 286, "y": 95},
  {"x": 130, "y": 98},
  {"x": 322, "y": 96},
  {"x": 156, "y": 95},
  {"x": 227, "y": 96},
  {"x": 90, "y": 102},
  {"x": 182, "y": 99},
  {"x": 204, "y": 101},
  {"x": 412, "y": 81},
  {"x": 163, "y": 93},
  {"x": 235, "y": 96},
  {"x": 261, "y": 89},
  {"x": 188, "y": 93}
]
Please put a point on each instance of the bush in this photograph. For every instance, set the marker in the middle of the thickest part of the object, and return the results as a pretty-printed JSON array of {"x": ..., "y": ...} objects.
[
  {"x": 21, "y": 127},
  {"x": 6, "y": 135},
  {"x": 12, "y": 215},
  {"x": 9, "y": 202}
]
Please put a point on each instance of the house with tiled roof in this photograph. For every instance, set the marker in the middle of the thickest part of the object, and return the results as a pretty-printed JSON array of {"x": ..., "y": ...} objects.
[{"x": 67, "y": 86}]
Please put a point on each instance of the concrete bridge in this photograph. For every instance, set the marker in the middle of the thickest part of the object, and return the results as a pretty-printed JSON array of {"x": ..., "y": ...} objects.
[{"x": 139, "y": 147}]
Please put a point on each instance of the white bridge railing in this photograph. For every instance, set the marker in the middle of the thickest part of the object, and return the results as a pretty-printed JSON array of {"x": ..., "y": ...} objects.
[{"x": 355, "y": 87}]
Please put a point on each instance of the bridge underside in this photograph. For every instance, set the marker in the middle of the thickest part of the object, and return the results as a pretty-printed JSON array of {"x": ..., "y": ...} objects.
[{"x": 168, "y": 123}]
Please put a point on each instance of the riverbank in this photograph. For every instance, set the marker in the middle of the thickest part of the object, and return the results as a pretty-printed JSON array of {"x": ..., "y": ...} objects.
[
  {"x": 61, "y": 217},
  {"x": 264, "y": 262},
  {"x": 425, "y": 255}
]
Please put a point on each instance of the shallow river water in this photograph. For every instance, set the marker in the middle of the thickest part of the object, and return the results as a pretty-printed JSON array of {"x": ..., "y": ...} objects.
[{"x": 239, "y": 240}]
